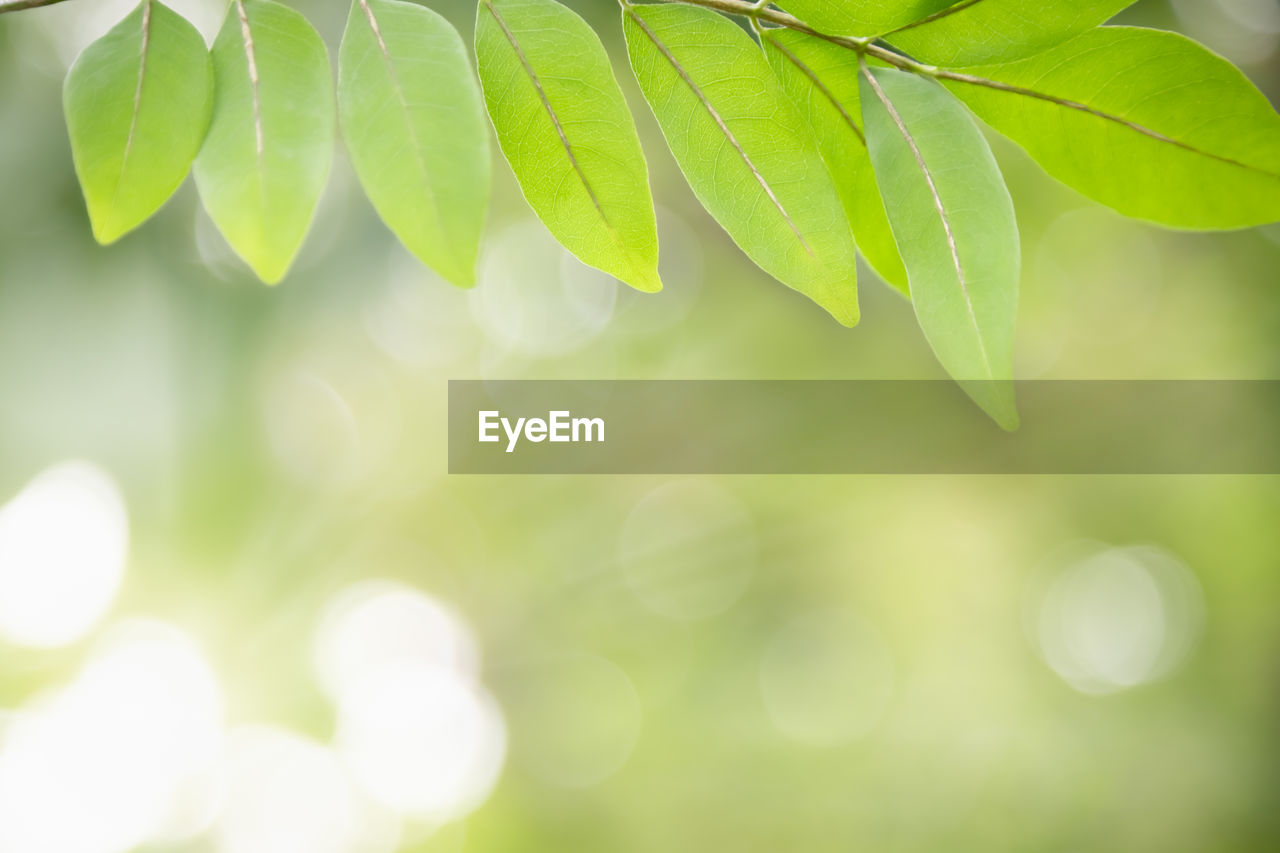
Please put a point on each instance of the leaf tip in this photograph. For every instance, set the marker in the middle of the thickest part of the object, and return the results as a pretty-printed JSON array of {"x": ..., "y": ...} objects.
[
  {"x": 269, "y": 273},
  {"x": 844, "y": 309},
  {"x": 848, "y": 319},
  {"x": 996, "y": 398},
  {"x": 1009, "y": 420},
  {"x": 645, "y": 281},
  {"x": 463, "y": 279},
  {"x": 110, "y": 223},
  {"x": 106, "y": 231}
]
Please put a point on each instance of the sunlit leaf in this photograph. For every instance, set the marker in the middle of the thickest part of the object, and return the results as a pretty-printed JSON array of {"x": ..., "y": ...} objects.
[
  {"x": 954, "y": 223},
  {"x": 565, "y": 129},
  {"x": 745, "y": 150},
  {"x": 137, "y": 103},
  {"x": 412, "y": 121},
  {"x": 270, "y": 144},
  {"x": 821, "y": 79},
  {"x": 862, "y": 17},
  {"x": 1147, "y": 122},
  {"x": 976, "y": 32}
]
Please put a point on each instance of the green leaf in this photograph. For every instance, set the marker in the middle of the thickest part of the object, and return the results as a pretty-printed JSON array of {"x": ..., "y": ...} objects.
[
  {"x": 270, "y": 144},
  {"x": 821, "y": 79},
  {"x": 411, "y": 117},
  {"x": 862, "y": 17},
  {"x": 1147, "y": 122},
  {"x": 564, "y": 127},
  {"x": 978, "y": 32},
  {"x": 137, "y": 103},
  {"x": 955, "y": 227},
  {"x": 745, "y": 150}
]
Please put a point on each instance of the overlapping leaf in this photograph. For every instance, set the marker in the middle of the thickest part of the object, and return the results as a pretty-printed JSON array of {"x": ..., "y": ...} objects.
[
  {"x": 862, "y": 17},
  {"x": 1147, "y": 122},
  {"x": 411, "y": 117},
  {"x": 137, "y": 104},
  {"x": 745, "y": 150},
  {"x": 974, "y": 32},
  {"x": 821, "y": 79},
  {"x": 565, "y": 129},
  {"x": 954, "y": 224},
  {"x": 270, "y": 143}
]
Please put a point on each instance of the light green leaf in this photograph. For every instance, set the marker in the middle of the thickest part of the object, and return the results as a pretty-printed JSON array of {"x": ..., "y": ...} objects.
[
  {"x": 137, "y": 103},
  {"x": 411, "y": 117},
  {"x": 862, "y": 17},
  {"x": 270, "y": 144},
  {"x": 821, "y": 79},
  {"x": 745, "y": 150},
  {"x": 955, "y": 227},
  {"x": 976, "y": 32},
  {"x": 564, "y": 127},
  {"x": 1147, "y": 122}
]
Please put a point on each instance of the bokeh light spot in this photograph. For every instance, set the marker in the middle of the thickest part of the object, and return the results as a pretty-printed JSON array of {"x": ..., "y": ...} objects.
[
  {"x": 1112, "y": 619},
  {"x": 381, "y": 624},
  {"x": 422, "y": 740},
  {"x": 288, "y": 794},
  {"x": 63, "y": 544},
  {"x": 537, "y": 299},
  {"x": 110, "y": 761}
]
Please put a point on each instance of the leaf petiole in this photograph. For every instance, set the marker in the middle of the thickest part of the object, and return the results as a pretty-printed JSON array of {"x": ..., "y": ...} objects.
[{"x": 20, "y": 5}]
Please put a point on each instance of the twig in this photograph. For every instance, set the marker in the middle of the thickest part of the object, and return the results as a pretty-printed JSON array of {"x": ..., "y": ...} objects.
[{"x": 20, "y": 5}]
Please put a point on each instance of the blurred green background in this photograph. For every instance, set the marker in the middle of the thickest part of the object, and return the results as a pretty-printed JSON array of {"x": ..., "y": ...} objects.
[{"x": 316, "y": 640}]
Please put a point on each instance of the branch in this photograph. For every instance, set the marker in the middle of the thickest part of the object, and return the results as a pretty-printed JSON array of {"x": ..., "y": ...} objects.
[
  {"x": 871, "y": 47},
  {"x": 20, "y": 5},
  {"x": 944, "y": 13},
  {"x": 781, "y": 19}
]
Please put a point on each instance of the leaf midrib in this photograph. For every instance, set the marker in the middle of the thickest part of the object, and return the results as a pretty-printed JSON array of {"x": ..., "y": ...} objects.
[
  {"x": 398, "y": 88},
  {"x": 246, "y": 39},
  {"x": 1067, "y": 103},
  {"x": 820, "y": 86},
  {"x": 938, "y": 205},
  {"x": 929, "y": 19},
  {"x": 553, "y": 115},
  {"x": 137, "y": 99},
  {"x": 720, "y": 123}
]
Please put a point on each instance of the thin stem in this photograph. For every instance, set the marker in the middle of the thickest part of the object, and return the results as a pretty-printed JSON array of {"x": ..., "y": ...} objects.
[
  {"x": 863, "y": 46},
  {"x": 871, "y": 47},
  {"x": 20, "y": 5},
  {"x": 944, "y": 13}
]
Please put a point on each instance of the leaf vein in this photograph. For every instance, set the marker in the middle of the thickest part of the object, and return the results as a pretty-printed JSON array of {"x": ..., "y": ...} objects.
[
  {"x": 137, "y": 94},
  {"x": 724, "y": 128},
  {"x": 938, "y": 205},
  {"x": 550, "y": 111},
  {"x": 1067, "y": 103},
  {"x": 398, "y": 87},
  {"x": 820, "y": 86},
  {"x": 246, "y": 35}
]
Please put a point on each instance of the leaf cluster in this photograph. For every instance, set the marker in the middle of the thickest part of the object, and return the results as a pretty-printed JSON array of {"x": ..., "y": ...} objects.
[{"x": 812, "y": 135}]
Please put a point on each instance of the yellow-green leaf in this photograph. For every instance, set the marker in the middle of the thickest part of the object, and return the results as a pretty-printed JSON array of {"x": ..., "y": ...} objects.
[
  {"x": 137, "y": 104},
  {"x": 412, "y": 121},
  {"x": 954, "y": 223},
  {"x": 974, "y": 32},
  {"x": 270, "y": 144},
  {"x": 821, "y": 79},
  {"x": 862, "y": 17},
  {"x": 566, "y": 131},
  {"x": 1147, "y": 122},
  {"x": 745, "y": 150}
]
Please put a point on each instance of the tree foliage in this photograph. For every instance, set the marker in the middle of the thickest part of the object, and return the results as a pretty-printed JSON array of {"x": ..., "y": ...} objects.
[{"x": 831, "y": 129}]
